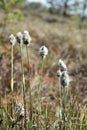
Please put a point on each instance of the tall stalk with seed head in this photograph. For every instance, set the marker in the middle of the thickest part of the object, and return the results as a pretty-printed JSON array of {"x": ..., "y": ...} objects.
[
  {"x": 64, "y": 81},
  {"x": 12, "y": 41},
  {"x": 27, "y": 41},
  {"x": 19, "y": 38},
  {"x": 43, "y": 51}
]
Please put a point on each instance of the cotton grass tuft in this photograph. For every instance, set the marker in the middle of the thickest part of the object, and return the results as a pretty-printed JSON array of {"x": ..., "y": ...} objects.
[
  {"x": 20, "y": 109},
  {"x": 64, "y": 79},
  {"x": 59, "y": 73},
  {"x": 62, "y": 65},
  {"x": 26, "y": 38},
  {"x": 43, "y": 51},
  {"x": 12, "y": 39},
  {"x": 19, "y": 37},
  {"x": 62, "y": 73}
]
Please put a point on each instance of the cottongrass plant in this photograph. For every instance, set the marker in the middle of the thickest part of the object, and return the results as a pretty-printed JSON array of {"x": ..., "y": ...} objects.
[
  {"x": 64, "y": 81},
  {"x": 12, "y": 41},
  {"x": 19, "y": 37},
  {"x": 71, "y": 118},
  {"x": 26, "y": 42},
  {"x": 43, "y": 52}
]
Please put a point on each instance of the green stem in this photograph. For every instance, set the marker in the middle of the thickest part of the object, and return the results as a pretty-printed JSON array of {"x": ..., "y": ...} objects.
[
  {"x": 12, "y": 82},
  {"x": 40, "y": 97},
  {"x": 23, "y": 85},
  {"x": 12, "y": 69},
  {"x": 46, "y": 118},
  {"x": 60, "y": 94},
  {"x": 29, "y": 77}
]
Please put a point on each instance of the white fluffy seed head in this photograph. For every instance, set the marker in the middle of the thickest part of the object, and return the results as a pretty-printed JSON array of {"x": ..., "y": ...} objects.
[
  {"x": 26, "y": 38},
  {"x": 59, "y": 73},
  {"x": 19, "y": 109},
  {"x": 43, "y": 51},
  {"x": 62, "y": 65},
  {"x": 19, "y": 37},
  {"x": 64, "y": 79},
  {"x": 12, "y": 39}
]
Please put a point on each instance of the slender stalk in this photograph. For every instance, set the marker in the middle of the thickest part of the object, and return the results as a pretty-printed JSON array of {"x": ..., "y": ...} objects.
[
  {"x": 12, "y": 69},
  {"x": 29, "y": 78},
  {"x": 40, "y": 97},
  {"x": 64, "y": 105},
  {"x": 60, "y": 88},
  {"x": 46, "y": 118},
  {"x": 23, "y": 84},
  {"x": 61, "y": 105},
  {"x": 12, "y": 81},
  {"x": 41, "y": 87}
]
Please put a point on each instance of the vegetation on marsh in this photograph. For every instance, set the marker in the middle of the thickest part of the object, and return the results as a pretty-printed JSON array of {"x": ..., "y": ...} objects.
[{"x": 65, "y": 40}]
